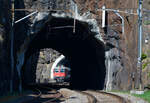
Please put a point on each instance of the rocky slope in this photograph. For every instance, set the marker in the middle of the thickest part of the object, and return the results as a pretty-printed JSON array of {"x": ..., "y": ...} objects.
[
  {"x": 37, "y": 67},
  {"x": 146, "y": 46}
]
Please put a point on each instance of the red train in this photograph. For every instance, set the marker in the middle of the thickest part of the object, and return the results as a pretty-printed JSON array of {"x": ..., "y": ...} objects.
[{"x": 61, "y": 74}]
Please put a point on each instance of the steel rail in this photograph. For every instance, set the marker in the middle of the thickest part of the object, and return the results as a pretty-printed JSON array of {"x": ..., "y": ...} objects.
[
  {"x": 121, "y": 99},
  {"x": 90, "y": 97},
  {"x": 36, "y": 97},
  {"x": 54, "y": 99},
  {"x": 39, "y": 89}
]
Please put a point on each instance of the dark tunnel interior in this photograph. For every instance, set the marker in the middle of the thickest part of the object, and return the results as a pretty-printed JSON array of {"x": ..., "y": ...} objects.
[{"x": 85, "y": 53}]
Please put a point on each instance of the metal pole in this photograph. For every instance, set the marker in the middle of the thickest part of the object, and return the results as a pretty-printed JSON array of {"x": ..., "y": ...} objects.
[
  {"x": 12, "y": 46},
  {"x": 75, "y": 16},
  {"x": 122, "y": 21},
  {"x": 140, "y": 42},
  {"x": 116, "y": 12},
  {"x": 103, "y": 16}
]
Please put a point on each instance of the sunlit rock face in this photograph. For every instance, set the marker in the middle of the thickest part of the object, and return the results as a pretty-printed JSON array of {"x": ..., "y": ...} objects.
[
  {"x": 46, "y": 59},
  {"x": 146, "y": 46},
  {"x": 37, "y": 66}
]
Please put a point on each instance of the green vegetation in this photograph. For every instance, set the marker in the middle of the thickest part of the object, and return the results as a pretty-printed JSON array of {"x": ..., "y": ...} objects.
[
  {"x": 124, "y": 92},
  {"x": 145, "y": 65},
  {"x": 144, "y": 56},
  {"x": 148, "y": 85},
  {"x": 145, "y": 96},
  {"x": 147, "y": 22}
]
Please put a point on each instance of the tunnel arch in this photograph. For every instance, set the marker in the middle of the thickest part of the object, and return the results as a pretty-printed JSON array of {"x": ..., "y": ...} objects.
[{"x": 85, "y": 52}]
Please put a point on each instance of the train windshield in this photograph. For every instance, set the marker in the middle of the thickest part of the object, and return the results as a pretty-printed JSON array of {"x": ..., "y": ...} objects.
[
  {"x": 62, "y": 70},
  {"x": 56, "y": 70}
]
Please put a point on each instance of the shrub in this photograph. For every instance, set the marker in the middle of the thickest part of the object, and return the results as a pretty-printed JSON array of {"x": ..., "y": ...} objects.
[
  {"x": 147, "y": 22},
  {"x": 144, "y": 56}
]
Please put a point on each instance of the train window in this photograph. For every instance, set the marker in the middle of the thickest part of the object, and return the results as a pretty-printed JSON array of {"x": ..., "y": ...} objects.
[
  {"x": 56, "y": 70},
  {"x": 62, "y": 70}
]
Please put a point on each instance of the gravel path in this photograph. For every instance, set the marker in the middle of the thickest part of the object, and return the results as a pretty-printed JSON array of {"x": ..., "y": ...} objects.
[{"x": 132, "y": 99}]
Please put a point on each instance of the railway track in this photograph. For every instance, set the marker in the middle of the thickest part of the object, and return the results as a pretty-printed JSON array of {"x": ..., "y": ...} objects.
[
  {"x": 47, "y": 94},
  {"x": 105, "y": 97},
  {"x": 43, "y": 94},
  {"x": 91, "y": 98},
  {"x": 76, "y": 96}
]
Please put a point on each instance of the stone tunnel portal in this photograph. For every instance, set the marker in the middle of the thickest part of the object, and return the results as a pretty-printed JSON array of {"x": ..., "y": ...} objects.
[{"x": 85, "y": 53}]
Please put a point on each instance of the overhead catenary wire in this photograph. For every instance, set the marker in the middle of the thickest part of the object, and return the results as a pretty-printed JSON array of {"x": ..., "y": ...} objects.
[
  {"x": 26, "y": 17},
  {"x": 126, "y": 11}
]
